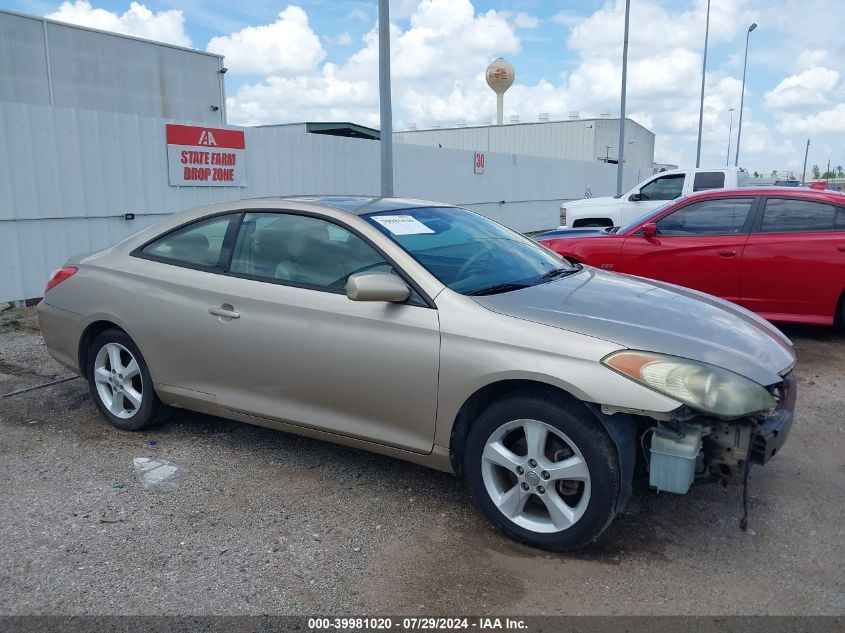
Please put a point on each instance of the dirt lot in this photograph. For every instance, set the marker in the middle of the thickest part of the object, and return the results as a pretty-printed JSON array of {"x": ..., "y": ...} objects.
[{"x": 272, "y": 523}]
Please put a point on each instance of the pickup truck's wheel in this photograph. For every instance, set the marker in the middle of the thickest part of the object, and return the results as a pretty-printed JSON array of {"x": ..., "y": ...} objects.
[
  {"x": 543, "y": 470},
  {"x": 120, "y": 382}
]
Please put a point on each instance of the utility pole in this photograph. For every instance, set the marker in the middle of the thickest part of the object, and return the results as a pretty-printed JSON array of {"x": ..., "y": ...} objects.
[
  {"x": 804, "y": 175},
  {"x": 827, "y": 173},
  {"x": 622, "y": 107},
  {"x": 385, "y": 107},
  {"x": 703, "y": 72}
]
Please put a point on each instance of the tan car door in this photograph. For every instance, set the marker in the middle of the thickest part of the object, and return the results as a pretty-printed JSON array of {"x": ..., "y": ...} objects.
[{"x": 291, "y": 346}]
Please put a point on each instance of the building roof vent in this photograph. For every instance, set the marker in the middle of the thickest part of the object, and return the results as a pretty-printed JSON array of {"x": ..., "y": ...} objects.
[
  {"x": 412, "y": 126},
  {"x": 514, "y": 118},
  {"x": 487, "y": 121},
  {"x": 543, "y": 117},
  {"x": 435, "y": 125},
  {"x": 605, "y": 114},
  {"x": 574, "y": 115},
  {"x": 461, "y": 123}
]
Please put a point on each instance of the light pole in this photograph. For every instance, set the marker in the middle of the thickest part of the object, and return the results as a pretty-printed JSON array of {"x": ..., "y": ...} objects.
[
  {"x": 385, "y": 108},
  {"x": 703, "y": 71},
  {"x": 804, "y": 174},
  {"x": 742, "y": 98},
  {"x": 730, "y": 130},
  {"x": 622, "y": 106}
]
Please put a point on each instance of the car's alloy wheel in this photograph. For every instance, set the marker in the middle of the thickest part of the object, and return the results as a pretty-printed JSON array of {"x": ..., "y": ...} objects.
[
  {"x": 117, "y": 376},
  {"x": 536, "y": 476},
  {"x": 543, "y": 469},
  {"x": 121, "y": 383}
]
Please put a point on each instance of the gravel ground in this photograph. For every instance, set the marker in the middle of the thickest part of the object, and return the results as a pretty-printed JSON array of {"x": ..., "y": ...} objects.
[{"x": 267, "y": 522}]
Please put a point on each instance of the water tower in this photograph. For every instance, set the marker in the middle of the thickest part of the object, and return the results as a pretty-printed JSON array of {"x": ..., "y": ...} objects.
[{"x": 500, "y": 76}]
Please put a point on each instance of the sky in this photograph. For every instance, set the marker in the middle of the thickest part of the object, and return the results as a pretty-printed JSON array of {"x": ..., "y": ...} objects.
[{"x": 317, "y": 60}]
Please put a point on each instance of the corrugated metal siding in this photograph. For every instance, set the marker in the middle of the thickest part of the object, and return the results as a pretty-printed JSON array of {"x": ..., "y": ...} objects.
[
  {"x": 23, "y": 60},
  {"x": 581, "y": 139},
  {"x": 67, "y": 177},
  {"x": 102, "y": 71}
]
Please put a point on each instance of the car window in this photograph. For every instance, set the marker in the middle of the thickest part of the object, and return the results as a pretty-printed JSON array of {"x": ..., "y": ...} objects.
[
  {"x": 198, "y": 245},
  {"x": 840, "y": 219},
  {"x": 467, "y": 252},
  {"x": 301, "y": 249},
  {"x": 663, "y": 188},
  {"x": 784, "y": 215},
  {"x": 722, "y": 216},
  {"x": 708, "y": 180}
]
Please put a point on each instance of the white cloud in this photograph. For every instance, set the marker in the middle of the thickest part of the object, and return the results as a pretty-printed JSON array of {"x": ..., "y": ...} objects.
[
  {"x": 826, "y": 121},
  {"x": 341, "y": 39},
  {"x": 163, "y": 26},
  {"x": 287, "y": 47},
  {"x": 526, "y": 21},
  {"x": 567, "y": 18},
  {"x": 807, "y": 88}
]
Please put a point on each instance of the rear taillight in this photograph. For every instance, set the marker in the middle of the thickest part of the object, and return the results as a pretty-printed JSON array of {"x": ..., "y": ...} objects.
[{"x": 59, "y": 276}]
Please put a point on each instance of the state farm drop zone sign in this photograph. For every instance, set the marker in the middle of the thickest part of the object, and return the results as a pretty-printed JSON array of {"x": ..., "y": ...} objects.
[{"x": 205, "y": 156}]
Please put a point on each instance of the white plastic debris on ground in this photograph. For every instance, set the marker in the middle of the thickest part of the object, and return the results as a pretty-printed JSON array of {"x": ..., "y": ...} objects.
[{"x": 158, "y": 474}]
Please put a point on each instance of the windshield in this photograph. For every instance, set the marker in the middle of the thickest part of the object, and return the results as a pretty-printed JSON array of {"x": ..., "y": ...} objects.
[
  {"x": 468, "y": 252},
  {"x": 627, "y": 227}
]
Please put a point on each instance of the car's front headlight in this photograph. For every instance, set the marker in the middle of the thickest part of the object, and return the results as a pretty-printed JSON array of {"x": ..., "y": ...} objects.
[{"x": 705, "y": 387}]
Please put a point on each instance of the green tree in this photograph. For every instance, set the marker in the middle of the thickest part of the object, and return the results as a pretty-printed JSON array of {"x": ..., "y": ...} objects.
[
  {"x": 839, "y": 171},
  {"x": 817, "y": 173},
  {"x": 756, "y": 175}
]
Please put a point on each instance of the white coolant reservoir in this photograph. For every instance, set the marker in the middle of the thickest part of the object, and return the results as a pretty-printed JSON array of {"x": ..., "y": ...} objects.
[{"x": 673, "y": 457}]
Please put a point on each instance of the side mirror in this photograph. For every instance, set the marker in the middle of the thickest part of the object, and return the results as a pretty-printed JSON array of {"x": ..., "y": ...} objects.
[
  {"x": 650, "y": 229},
  {"x": 636, "y": 197},
  {"x": 372, "y": 286}
]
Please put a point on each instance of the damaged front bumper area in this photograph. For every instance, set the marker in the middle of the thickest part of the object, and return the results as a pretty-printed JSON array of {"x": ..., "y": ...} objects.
[{"x": 690, "y": 447}]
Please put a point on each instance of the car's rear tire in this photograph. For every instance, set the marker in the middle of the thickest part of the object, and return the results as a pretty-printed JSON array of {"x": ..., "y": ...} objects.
[
  {"x": 121, "y": 384},
  {"x": 543, "y": 470}
]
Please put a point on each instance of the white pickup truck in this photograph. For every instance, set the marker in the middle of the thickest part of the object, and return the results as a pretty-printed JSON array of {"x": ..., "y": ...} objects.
[{"x": 647, "y": 196}]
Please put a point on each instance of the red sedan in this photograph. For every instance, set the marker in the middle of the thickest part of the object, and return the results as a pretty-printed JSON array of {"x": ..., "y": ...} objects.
[{"x": 779, "y": 252}]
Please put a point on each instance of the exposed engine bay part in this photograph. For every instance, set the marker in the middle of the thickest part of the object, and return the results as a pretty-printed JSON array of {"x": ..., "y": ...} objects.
[
  {"x": 673, "y": 457},
  {"x": 726, "y": 448}
]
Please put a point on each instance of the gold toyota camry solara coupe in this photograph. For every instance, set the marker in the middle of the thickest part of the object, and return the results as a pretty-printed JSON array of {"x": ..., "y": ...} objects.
[{"x": 432, "y": 334}]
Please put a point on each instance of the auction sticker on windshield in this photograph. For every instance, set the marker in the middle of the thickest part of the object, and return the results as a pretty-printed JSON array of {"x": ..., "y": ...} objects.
[{"x": 402, "y": 224}]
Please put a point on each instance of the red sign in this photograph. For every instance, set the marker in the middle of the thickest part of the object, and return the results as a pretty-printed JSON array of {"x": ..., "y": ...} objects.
[{"x": 205, "y": 157}]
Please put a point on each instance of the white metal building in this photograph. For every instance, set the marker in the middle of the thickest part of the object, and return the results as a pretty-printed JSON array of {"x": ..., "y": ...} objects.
[
  {"x": 589, "y": 140},
  {"x": 43, "y": 62}
]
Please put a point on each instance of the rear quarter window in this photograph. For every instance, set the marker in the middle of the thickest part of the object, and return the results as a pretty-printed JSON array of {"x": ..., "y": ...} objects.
[
  {"x": 785, "y": 215},
  {"x": 708, "y": 180}
]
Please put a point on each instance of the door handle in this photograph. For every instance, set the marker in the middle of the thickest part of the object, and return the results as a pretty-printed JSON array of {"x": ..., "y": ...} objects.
[
  {"x": 226, "y": 311},
  {"x": 727, "y": 253}
]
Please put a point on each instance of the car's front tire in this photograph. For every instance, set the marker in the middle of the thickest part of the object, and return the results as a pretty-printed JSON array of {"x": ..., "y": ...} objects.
[
  {"x": 543, "y": 470},
  {"x": 120, "y": 382}
]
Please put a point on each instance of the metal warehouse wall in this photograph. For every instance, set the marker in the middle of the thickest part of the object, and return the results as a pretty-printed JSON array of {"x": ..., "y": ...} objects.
[
  {"x": 580, "y": 139},
  {"x": 67, "y": 177},
  {"x": 45, "y": 62}
]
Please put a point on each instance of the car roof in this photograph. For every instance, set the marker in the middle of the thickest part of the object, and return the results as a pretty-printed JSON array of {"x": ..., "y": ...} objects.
[
  {"x": 833, "y": 197},
  {"x": 359, "y": 205}
]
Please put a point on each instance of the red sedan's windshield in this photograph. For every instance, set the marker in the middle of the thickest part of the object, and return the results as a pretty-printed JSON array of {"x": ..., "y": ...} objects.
[{"x": 627, "y": 227}]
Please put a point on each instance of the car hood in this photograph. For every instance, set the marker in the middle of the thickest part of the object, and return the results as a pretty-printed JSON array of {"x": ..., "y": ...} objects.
[
  {"x": 591, "y": 202},
  {"x": 649, "y": 315},
  {"x": 560, "y": 234}
]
